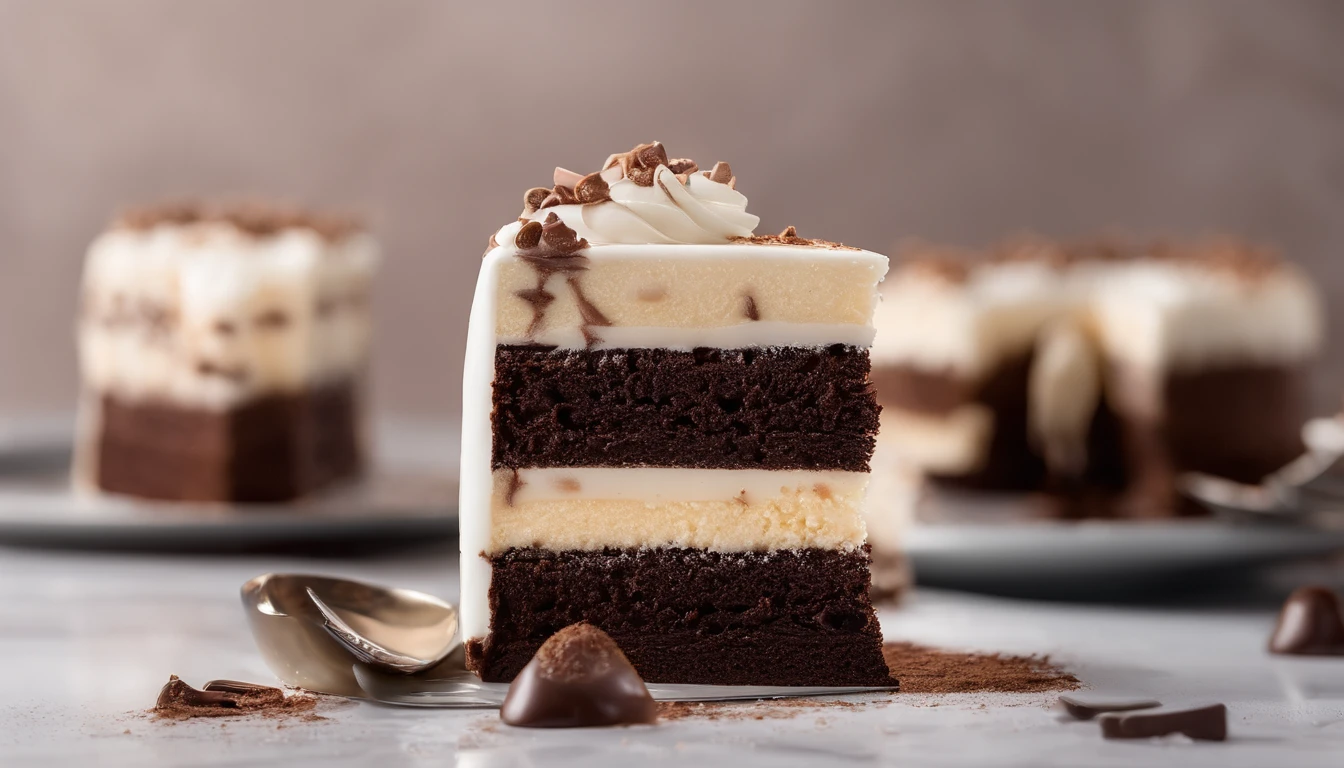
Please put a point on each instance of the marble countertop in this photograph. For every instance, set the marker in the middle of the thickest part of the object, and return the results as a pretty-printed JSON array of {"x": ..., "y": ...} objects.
[{"x": 87, "y": 640}]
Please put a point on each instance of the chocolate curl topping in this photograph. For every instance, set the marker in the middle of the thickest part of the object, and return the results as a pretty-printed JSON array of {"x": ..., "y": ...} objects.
[
  {"x": 559, "y": 196},
  {"x": 592, "y": 189},
  {"x": 563, "y": 177},
  {"x": 533, "y": 199},
  {"x": 683, "y": 166},
  {"x": 721, "y": 173},
  {"x": 559, "y": 237},
  {"x": 651, "y": 155},
  {"x": 789, "y": 232},
  {"x": 529, "y": 236}
]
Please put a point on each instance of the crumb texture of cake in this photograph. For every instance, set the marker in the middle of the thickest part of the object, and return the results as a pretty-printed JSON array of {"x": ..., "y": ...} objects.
[
  {"x": 222, "y": 353},
  {"x": 1097, "y": 367},
  {"x": 664, "y": 418}
]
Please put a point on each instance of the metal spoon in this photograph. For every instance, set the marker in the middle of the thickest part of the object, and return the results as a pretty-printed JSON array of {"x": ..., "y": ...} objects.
[
  {"x": 304, "y": 648},
  {"x": 439, "y": 638}
]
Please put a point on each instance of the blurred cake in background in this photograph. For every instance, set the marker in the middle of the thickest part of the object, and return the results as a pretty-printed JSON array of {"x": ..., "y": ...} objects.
[
  {"x": 222, "y": 351},
  {"x": 1093, "y": 376}
]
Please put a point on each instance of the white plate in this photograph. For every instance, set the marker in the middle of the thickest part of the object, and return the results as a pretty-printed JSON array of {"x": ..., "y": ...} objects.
[
  {"x": 409, "y": 494},
  {"x": 1099, "y": 557}
]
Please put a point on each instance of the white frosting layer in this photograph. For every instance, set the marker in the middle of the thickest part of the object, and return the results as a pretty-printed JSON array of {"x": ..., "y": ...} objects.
[
  {"x": 209, "y": 316},
  {"x": 1159, "y": 314},
  {"x": 701, "y": 211}
]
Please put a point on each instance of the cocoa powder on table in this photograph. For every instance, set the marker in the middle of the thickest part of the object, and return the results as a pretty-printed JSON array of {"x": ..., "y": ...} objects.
[{"x": 919, "y": 668}]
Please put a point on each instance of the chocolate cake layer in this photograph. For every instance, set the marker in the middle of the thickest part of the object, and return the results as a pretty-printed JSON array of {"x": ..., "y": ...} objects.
[
  {"x": 760, "y": 408},
  {"x": 793, "y": 617},
  {"x": 275, "y": 448}
]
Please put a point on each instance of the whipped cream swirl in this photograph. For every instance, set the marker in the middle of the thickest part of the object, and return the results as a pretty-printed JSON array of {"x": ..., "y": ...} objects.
[{"x": 700, "y": 210}]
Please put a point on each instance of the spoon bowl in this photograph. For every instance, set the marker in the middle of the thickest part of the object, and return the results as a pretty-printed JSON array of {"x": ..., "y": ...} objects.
[{"x": 310, "y": 629}]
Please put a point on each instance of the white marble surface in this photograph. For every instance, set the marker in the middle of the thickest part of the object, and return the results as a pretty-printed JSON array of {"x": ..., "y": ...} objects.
[{"x": 86, "y": 640}]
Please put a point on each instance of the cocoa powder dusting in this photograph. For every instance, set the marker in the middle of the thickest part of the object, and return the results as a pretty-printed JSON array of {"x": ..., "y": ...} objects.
[{"x": 920, "y": 669}]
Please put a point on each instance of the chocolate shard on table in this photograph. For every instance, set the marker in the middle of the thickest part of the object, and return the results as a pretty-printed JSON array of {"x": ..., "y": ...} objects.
[
  {"x": 220, "y": 694},
  {"x": 1088, "y": 707},
  {"x": 1093, "y": 375},
  {"x": 578, "y": 679},
  {"x": 1202, "y": 724},
  {"x": 222, "y": 351},
  {"x": 668, "y": 436},
  {"x": 1311, "y": 623}
]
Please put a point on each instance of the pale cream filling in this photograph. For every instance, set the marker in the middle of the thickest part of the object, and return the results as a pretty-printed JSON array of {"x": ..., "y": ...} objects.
[
  {"x": 697, "y": 287},
  {"x": 718, "y": 510}
]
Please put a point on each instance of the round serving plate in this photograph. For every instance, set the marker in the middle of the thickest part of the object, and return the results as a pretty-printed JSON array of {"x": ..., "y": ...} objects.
[
  {"x": 408, "y": 495},
  {"x": 1091, "y": 558}
]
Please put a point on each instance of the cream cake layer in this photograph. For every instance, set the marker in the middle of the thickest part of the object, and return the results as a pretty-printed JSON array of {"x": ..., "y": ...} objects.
[
  {"x": 209, "y": 315},
  {"x": 690, "y": 295},
  {"x": 1152, "y": 309},
  {"x": 717, "y": 510},
  {"x": 956, "y": 442}
]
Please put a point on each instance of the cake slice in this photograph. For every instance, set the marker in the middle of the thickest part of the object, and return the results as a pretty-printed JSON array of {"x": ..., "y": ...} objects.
[
  {"x": 1096, "y": 374},
  {"x": 222, "y": 351},
  {"x": 667, "y": 424}
]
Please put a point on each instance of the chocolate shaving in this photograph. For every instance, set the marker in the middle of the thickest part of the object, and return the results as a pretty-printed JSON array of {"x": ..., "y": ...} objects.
[
  {"x": 529, "y": 236},
  {"x": 722, "y": 173},
  {"x": 683, "y": 166},
  {"x": 592, "y": 189},
  {"x": 559, "y": 237},
  {"x": 228, "y": 698},
  {"x": 559, "y": 196},
  {"x": 783, "y": 239},
  {"x": 533, "y": 198}
]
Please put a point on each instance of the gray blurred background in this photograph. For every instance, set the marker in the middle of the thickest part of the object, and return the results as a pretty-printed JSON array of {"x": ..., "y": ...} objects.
[{"x": 865, "y": 122}]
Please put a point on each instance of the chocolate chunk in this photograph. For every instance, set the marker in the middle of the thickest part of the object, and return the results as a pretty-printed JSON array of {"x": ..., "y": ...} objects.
[
  {"x": 248, "y": 690},
  {"x": 641, "y": 176},
  {"x": 1310, "y": 624},
  {"x": 1086, "y": 709},
  {"x": 682, "y": 166},
  {"x": 651, "y": 155},
  {"x": 789, "y": 232},
  {"x": 578, "y": 678},
  {"x": 592, "y": 189},
  {"x": 529, "y": 236},
  {"x": 559, "y": 237},
  {"x": 721, "y": 173},
  {"x": 533, "y": 198},
  {"x": 1205, "y": 724},
  {"x": 177, "y": 693}
]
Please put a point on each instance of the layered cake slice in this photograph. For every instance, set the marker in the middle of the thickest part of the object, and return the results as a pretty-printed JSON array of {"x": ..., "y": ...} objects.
[
  {"x": 222, "y": 351},
  {"x": 1095, "y": 374},
  {"x": 667, "y": 428}
]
